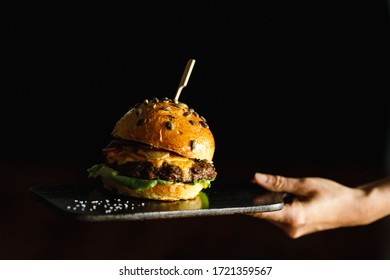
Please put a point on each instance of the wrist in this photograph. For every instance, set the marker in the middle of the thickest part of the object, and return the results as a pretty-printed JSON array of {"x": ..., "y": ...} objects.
[{"x": 375, "y": 199}]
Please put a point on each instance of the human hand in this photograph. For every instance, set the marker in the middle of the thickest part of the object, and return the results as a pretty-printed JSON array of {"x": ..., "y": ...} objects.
[{"x": 318, "y": 204}]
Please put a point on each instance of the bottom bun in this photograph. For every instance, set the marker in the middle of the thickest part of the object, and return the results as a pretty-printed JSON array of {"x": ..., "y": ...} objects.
[{"x": 169, "y": 192}]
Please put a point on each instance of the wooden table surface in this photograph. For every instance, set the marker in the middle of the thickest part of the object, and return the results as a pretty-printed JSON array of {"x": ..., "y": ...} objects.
[{"x": 31, "y": 230}]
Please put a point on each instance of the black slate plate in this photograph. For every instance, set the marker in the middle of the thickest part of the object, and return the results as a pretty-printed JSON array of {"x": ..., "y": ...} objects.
[{"x": 89, "y": 201}]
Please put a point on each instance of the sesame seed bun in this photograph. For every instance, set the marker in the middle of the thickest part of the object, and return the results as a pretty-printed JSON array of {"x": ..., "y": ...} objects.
[{"x": 167, "y": 125}]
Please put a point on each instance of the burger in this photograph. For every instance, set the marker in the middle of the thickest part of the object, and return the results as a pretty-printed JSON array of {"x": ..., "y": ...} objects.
[{"x": 160, "y": 149}]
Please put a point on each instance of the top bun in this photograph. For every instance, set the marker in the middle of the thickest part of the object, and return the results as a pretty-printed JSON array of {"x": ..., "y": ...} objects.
[{"x": 167, "y": 125}]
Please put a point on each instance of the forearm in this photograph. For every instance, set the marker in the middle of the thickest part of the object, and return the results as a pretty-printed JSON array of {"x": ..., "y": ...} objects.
[{"x": 376, "y": 204}]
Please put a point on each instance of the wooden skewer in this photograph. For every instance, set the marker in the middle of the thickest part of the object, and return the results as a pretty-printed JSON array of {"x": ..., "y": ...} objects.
[{"x": 184, "y": 78}]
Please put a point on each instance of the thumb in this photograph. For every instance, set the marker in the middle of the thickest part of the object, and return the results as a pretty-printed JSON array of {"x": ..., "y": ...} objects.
[{"x": 279, "y": 183}]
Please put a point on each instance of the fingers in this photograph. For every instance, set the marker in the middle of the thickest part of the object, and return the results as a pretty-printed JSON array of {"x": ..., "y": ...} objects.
[
  {"x": 286, "y": 219},
  {"x": 291, "y": 230},
  {"x": 299, "y": 186}
]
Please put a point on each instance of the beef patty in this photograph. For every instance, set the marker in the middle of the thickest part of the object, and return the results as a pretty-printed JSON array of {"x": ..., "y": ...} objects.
[{"x": 200, "y": 169}]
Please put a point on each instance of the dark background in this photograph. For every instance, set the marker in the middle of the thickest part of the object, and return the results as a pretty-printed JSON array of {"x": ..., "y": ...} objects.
[
  {"x": 275, "y": 80},
  {"x": 296, "y": 88}
]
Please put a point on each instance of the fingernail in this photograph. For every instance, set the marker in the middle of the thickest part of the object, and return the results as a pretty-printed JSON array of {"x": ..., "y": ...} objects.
[{"x": 262, "y": 178}]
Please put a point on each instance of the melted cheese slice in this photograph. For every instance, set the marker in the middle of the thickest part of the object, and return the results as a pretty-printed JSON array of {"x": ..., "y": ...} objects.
[{"x": 127, "y": 155}]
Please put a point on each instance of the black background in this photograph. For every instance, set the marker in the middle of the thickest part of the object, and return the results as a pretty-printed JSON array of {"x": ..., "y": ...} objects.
[
  {"x": 286, "y": 87},
  {"x": 277, "y": 81}
]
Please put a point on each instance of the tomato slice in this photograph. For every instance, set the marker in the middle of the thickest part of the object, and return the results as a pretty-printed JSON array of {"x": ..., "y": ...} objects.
[{"x": 112, "y": 150}]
